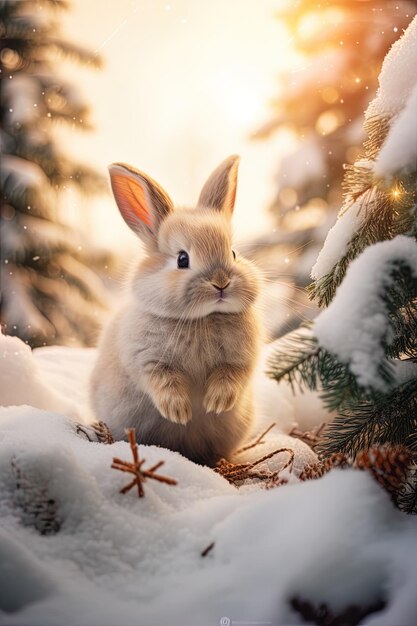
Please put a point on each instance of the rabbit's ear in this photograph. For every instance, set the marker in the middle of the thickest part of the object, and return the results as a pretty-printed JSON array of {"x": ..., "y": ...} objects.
[
  {"x": 141, "y": 201},
  {"x": 219, "y": 192}
]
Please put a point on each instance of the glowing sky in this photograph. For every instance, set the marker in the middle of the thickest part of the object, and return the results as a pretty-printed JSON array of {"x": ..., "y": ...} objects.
[{"x": 184, "y": 84}]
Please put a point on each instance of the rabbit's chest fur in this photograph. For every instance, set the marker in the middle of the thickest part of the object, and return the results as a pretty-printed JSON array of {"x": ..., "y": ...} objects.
[{"x": 196, "y": 347}]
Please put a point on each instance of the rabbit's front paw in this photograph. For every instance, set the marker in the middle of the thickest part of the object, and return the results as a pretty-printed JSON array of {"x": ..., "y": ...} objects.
[
  {"x": 175, "y": 406},
  {"x": 221, "y": 396}
]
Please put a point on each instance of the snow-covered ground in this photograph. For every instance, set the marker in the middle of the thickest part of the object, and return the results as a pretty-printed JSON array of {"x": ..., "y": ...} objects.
[{"x": 118, "y": 559}]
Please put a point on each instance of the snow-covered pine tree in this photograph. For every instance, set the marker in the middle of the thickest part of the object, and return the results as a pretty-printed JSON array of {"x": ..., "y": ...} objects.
[
  {"x": 361, "y": 351},
  {"x": 341, "y": 45},
  {"x": 49, "y": 291}
]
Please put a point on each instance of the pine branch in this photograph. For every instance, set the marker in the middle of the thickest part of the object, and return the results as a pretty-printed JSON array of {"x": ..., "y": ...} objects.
[
  {"x": 76, "y": 53},
  {"x": 386, "y": 211},
  {"x": 376, "y": 225},
  {"x": 388, "y": 418},
  {"x": 301, "y": 362}
]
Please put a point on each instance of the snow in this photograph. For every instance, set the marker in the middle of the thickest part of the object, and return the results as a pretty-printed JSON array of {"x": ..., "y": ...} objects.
[
  {"x": 338, "y": 238},
  {"x": 399, "y": 151},
  {"x": 21, "y": 381},
  {"x": 398, "y": 75},
  {"x": 356, "y": 323},
  {"x": 117, "y": 559}
]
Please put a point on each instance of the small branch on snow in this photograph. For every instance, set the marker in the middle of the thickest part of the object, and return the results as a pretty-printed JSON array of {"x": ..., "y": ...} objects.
[
  {"x": 97, "y": 432},
  {"x": 311, "y": 437},
  {"x": 258, "y": 441},
  {"x": 208, "y": 549},
  {"x": 136, "y": 468},
  {"x": 238, "y": 472}
]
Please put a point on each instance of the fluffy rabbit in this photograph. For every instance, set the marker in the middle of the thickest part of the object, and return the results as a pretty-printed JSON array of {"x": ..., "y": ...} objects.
[{"x": 176, "y": 362}]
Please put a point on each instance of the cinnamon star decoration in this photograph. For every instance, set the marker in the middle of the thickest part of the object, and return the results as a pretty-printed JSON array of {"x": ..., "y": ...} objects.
[{"x": 136, "y": 468}]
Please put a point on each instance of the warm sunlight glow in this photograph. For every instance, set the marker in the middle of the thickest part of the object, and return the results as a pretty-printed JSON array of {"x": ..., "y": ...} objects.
[
  {"x": 330, "y": 95},
  {"x": 237, "y": 92},
  {"x": 329, "y": 121},
  {"x": 310, "y": 24},
  {"x": 184, "y": 85}
]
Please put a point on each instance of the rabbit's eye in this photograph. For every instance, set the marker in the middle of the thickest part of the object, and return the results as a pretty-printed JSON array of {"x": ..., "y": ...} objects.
[
  {"x": 183, "y": 260},
  {"x": 234, "y": 254}
]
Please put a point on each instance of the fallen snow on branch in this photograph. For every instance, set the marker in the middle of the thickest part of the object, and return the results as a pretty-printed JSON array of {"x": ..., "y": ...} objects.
[
  {"x": 399, "y": 152},
  {"x": 356, "y": 324},
  {"x": 338, "y": 239},
  {"x": 398, "y": 75}
]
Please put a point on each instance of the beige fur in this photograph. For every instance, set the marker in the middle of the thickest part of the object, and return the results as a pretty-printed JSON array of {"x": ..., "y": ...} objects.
[{"x": 176, "y": 362}]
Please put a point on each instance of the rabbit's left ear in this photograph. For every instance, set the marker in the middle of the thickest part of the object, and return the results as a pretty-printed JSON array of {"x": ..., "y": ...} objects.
[
  {"x": 219, "y": 192},
  {"x": 141, "y": 201}
]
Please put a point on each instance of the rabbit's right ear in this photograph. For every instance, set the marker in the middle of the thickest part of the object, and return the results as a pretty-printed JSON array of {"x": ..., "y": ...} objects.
[{"x": 141, "y": 201}]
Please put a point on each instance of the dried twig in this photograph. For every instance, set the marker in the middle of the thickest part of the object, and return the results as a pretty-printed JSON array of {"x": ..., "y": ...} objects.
[
  {"x": 136, "y": 468},
  {"x": 97, "y": 431},
  {"x": 258, "y": 441},
  {"x": 208, "y": 549},
  {"x": 311, "y": 437},
  {"x": 238, "y": 472}
]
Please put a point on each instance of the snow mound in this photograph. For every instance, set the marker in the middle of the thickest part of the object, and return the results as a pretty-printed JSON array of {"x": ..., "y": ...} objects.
[
  {"x": 21, "y": 381},
  {"x": 111, "y": 558},
  {"x": 117, "y": 557}
]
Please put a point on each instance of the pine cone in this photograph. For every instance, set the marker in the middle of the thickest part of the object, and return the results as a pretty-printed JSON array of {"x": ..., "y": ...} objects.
[
  {"x": 317, "y": 470},
  {"x": 388, "y": 464}
]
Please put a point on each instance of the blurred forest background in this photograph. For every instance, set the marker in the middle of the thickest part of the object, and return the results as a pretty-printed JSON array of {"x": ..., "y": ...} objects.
[{"x": 174, "y": 87}]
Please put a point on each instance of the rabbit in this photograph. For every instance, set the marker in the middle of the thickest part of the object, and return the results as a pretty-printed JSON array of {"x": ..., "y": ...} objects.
[{"x": 176, "y": 361}]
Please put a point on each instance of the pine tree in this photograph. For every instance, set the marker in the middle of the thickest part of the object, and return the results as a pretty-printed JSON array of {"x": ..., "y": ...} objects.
[
  {"x": 50, "y": 294},
  {"x": 361, "y": 351},
  {"x": 341, "y": 45}
]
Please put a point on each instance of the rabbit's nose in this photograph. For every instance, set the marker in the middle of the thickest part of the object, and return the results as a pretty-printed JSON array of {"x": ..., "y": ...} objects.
[
  {"x": 224, "y": 286},
  {"x": 220, "y": 279}
]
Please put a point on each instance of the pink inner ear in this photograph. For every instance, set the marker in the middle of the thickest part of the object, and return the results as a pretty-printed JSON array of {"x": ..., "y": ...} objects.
[{"x": 131, "y": 198}]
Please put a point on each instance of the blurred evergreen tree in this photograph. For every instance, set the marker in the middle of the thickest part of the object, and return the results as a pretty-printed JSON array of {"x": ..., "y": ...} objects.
[
  {"x": 341, "y": 44},
  {"x": 50, "y": 294}
]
